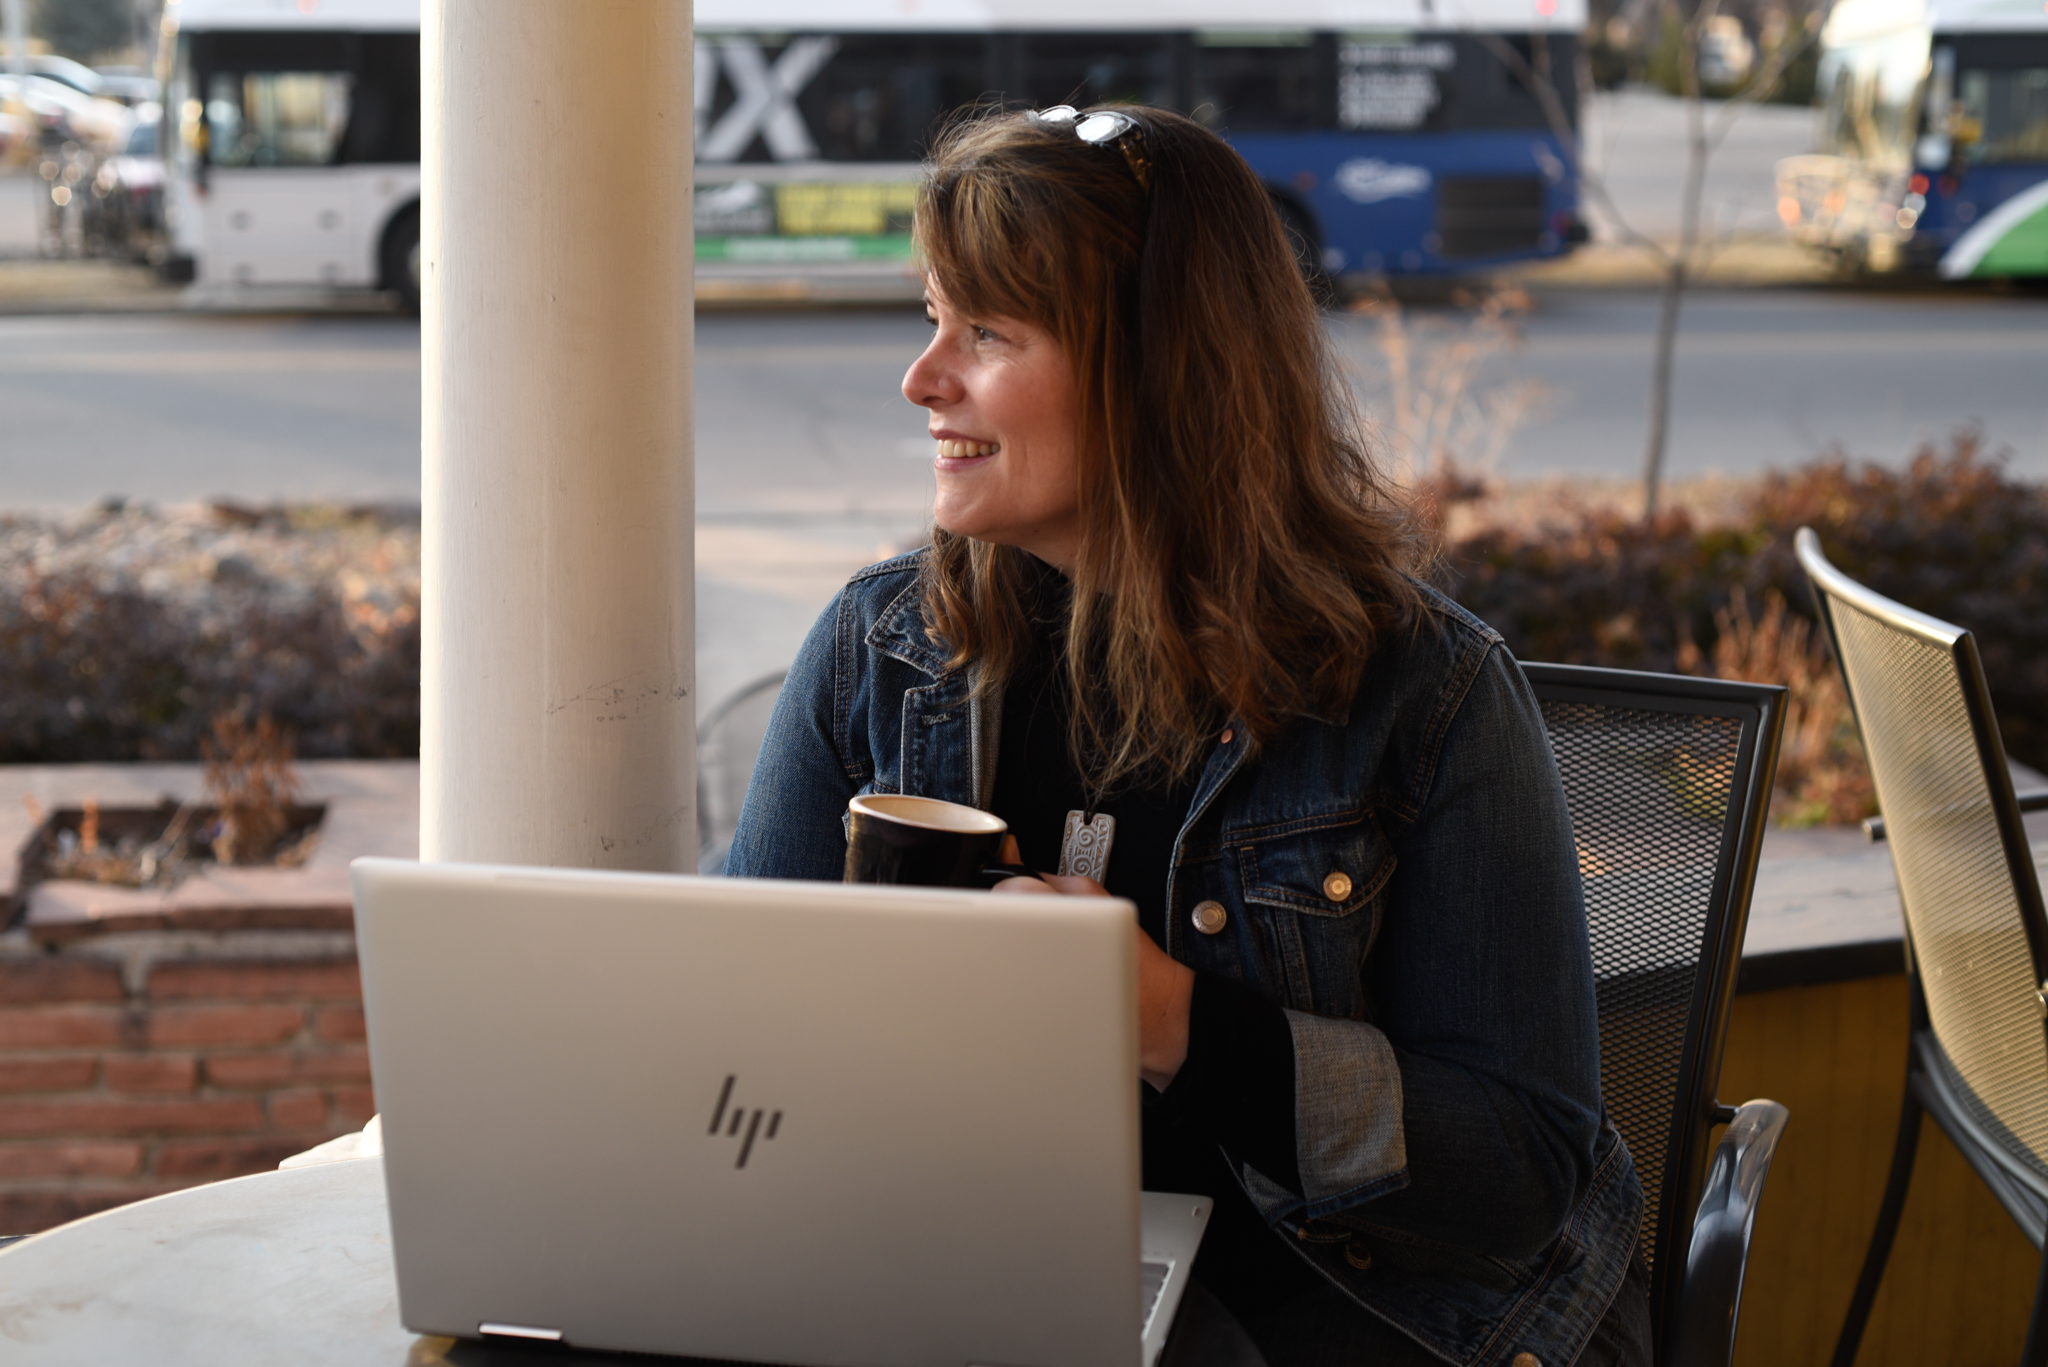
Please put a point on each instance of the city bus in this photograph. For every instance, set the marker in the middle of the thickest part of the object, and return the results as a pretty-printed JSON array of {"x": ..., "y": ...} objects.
[
  {"x": 1396, "y": 137},
  {"x": 1934, "y": 140}
]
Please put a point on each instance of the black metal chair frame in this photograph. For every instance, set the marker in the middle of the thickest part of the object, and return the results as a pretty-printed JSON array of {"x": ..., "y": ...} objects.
[
  {"x": 2023, "y": 1193},
  {"x": 1707, "y": 1208}
]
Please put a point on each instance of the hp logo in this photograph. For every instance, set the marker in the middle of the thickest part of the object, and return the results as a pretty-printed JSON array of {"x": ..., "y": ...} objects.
[{"x": 729, "y": 1120}]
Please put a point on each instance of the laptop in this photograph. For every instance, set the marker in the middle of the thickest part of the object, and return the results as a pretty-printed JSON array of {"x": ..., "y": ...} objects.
[{"x": 779, "y": 1122}]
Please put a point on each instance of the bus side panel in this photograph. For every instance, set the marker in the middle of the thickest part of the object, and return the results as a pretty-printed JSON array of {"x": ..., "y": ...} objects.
[
  {"x": 1955, "y": 206},
  {"x": 1438, "y": 203}
]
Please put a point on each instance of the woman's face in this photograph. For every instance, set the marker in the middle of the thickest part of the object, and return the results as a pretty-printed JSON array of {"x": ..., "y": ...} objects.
[{"x": 1003, "y": 414}]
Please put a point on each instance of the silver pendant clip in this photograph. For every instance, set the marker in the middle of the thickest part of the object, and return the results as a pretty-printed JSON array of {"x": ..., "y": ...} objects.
[{"x": 1084, "y": 849}]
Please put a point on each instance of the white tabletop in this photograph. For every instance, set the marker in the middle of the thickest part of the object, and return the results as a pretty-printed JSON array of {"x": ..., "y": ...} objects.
[{"x": 286, "y": 1269}]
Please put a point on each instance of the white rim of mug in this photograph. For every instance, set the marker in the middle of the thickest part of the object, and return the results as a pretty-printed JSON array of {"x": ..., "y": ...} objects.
[{"x": 871, "y": 804}]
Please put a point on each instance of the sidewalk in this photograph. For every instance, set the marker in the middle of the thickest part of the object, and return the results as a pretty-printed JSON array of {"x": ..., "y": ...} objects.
[{"x": 1754, "y": 262}]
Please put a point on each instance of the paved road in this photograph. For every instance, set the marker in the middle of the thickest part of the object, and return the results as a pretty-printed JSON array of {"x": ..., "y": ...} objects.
[{"x": 810, "y": 464}]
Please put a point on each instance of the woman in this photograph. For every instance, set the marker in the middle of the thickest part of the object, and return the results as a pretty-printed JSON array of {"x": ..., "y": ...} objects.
[{"x": 1166, "y": 628}]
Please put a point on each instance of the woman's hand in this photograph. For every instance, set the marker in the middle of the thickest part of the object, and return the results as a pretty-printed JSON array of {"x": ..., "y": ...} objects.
[{"x": 1166, "y": 987}]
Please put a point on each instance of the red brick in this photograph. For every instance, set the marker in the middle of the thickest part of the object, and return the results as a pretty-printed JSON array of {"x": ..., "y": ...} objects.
[
  {"x": 334, "y": 980},
  {"x": 32, "y": 1212},
  {"x": 55, "y": 1027},
  {"x": 152, "y": 1072},
  {"x": 298, "y": 1110},
  {"x": 120, "y": 1115},
  {"x": 61, "y": 1074},
  {"x": 274, "y": 1070},
  {"x": 225, "y": 1157},
  {"x": 353, "y": 1105},
  {"x": 70, "y": 1158},
  {"x": 339, "y": 1023},
  {"x": 51, "y": 979},
  {"x": 249, "y": 1070},
  {"x": 244, "y": 1025}
]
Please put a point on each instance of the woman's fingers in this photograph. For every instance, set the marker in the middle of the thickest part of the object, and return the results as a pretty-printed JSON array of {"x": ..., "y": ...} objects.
[
  {"x": 1009, "y": 854},
  {"x": 1024, "y": 885},
  {"x": 1065, "y": 884}
]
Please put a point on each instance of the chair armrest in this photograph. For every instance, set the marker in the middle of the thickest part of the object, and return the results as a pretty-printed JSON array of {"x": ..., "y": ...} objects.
[
  {"x": 2033, "y": 800},
  {"x": 1702, "y": 1329}
]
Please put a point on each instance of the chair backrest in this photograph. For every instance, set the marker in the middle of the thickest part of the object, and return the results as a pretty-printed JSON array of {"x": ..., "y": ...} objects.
[
  {"x": 1668, "y": 779},
  {"x": 728, "y": 742},
  {"x": 1977, "y": 937}
]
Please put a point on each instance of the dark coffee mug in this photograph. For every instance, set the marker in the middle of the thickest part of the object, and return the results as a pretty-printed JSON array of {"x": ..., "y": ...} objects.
[{"x": 926, "y": 842}]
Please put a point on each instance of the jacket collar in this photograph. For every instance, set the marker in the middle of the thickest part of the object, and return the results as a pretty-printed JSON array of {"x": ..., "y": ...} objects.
[{"x": 899, "y": 633}]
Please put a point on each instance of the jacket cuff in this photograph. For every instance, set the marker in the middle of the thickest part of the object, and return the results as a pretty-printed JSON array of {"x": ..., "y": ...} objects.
[
  {"x": 1349, "y": 1138},
  {"x": 1237, "y": 1083}
]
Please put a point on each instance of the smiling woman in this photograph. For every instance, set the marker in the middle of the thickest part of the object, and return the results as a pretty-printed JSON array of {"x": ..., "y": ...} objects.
[
  {"x": 1168, "y": 630},
  {"x": 1001, "y": 396}
]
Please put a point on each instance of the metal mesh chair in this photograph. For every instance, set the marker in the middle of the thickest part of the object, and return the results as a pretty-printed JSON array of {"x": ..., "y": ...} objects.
[
  {"x": 1668, "y": 780},
  {"x": 728, "y": 742},
  {"x": 1976, "y": 937}
]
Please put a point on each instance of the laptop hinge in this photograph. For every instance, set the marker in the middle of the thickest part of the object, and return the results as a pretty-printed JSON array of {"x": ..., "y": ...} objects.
[{"x": 519, "y": 1331}]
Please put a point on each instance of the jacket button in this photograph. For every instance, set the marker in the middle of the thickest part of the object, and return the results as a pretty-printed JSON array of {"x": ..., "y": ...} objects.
[
  {"x": 1209, "y": 917},
  {"x": 1337, "y": 886},
  {"x": 1527, "y": 1360},
  {"x": 1360, "y": 1257}
]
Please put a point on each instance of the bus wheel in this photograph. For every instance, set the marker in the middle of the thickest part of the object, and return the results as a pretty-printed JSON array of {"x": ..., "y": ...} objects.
[
  {"x": 1307, "y": 246},
  {"x": 401, "y": 259}
]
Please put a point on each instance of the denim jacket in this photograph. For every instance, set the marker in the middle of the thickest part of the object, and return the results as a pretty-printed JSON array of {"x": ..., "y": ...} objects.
[{"x": 1459, "y": 1179}]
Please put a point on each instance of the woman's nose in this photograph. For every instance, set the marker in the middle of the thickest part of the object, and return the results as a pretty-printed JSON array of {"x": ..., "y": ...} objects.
[{"x": 930, "y": 382}]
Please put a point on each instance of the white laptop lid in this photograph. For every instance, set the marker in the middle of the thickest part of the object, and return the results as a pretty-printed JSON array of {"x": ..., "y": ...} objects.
[{"x": 924, "y": 1105}]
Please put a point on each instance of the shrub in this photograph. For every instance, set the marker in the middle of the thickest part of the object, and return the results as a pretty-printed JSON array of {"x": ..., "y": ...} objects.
[
  {"x": 122, "y": 639},
  {"x": 1952, "y": 534}
]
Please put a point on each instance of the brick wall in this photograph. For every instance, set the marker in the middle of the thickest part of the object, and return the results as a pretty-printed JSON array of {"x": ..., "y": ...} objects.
[{"x": 127, "y": 1076}]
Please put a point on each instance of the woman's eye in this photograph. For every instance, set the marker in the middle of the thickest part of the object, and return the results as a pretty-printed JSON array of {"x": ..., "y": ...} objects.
[
  {"x": 929, "y": 318},
  {"x": 982, "y": 334}
]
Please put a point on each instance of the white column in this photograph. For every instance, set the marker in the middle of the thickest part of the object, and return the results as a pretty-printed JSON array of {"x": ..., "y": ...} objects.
[{"x": 557, "y": 725}]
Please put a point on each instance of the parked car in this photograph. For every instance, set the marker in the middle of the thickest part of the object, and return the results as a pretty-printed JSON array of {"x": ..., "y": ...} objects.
[
  {"x": 126, "y": 210},
  {"x": 77, "y": 75},
  {"x": 68, "y": 112},
  {"x": 131, "y": 85}
]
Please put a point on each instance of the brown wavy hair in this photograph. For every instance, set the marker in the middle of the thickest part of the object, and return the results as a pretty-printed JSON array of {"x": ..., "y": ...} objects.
[{"x": 1241, "y": 554}]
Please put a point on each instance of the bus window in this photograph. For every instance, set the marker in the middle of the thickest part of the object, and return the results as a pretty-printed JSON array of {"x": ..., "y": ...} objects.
[
  {"x": 881, "y": 95},
  {"x": 1277, "y": 82},
  {"x": 1099, "y": 68},
  {"x": 1489, "y": 92},
  {"x": 276, "y": 118},
  {"x": 384, "y": 117},
  {"x": 2001, "y": 88},
  {"x": 1871, "y": 94}
]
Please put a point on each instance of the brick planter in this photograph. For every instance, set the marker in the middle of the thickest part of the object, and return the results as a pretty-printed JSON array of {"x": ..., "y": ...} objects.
[{"x": 151, "y": 1041}]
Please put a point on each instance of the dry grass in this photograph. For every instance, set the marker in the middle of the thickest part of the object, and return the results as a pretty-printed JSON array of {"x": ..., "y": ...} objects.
[
  {"x": 249, "y": 776},
  {"x": 1822, "y": 778}
]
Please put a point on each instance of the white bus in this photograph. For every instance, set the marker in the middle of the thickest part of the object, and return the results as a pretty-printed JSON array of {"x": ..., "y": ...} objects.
[
  {"x": 1393, "y": 137},
  {"x": 1934, "y": 140},
  {"x": 292, "y": 144}
]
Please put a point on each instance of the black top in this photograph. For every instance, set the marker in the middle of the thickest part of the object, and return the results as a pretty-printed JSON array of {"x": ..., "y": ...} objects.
[{"x": 1237, "y": 1084}]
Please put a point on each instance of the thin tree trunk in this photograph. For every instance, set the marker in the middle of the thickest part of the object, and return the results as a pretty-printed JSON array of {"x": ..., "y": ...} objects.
[
  {"x": 1680, "y": 267},
  {"x": 1660, "y": 384}
]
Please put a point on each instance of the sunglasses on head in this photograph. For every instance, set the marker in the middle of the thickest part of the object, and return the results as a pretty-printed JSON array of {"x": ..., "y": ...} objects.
[{"x": 1105, "y": 128}]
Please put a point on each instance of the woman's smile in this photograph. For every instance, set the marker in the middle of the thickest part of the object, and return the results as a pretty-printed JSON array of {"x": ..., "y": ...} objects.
[
  {"x": 1003, "y": 414},
  {"x": 963, "y": 453}
]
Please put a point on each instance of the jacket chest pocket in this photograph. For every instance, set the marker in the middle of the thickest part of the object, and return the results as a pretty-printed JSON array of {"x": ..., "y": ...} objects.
[{"x": 1320, "y": 883}]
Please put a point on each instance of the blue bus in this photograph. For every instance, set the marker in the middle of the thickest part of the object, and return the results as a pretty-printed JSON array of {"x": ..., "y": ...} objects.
[
  {"x": 1934, "y": 140},
  {"x": 1394, "y": 138}
]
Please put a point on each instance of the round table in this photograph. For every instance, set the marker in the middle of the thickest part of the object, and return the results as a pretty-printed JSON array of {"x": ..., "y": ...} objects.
[
  {"x": 293, "y": 1269},
  {"x": 282, "y": 1269}
]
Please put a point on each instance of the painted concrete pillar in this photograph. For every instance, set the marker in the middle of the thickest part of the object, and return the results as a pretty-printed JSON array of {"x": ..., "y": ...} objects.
[{"x": 557, "y": 725}]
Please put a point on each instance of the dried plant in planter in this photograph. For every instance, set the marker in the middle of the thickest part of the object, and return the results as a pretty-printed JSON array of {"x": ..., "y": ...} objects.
[
  {"x": 126, "y": 847},
  {"x": 1822, "y": 776},
  {"x": 250, "y": 778}
]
